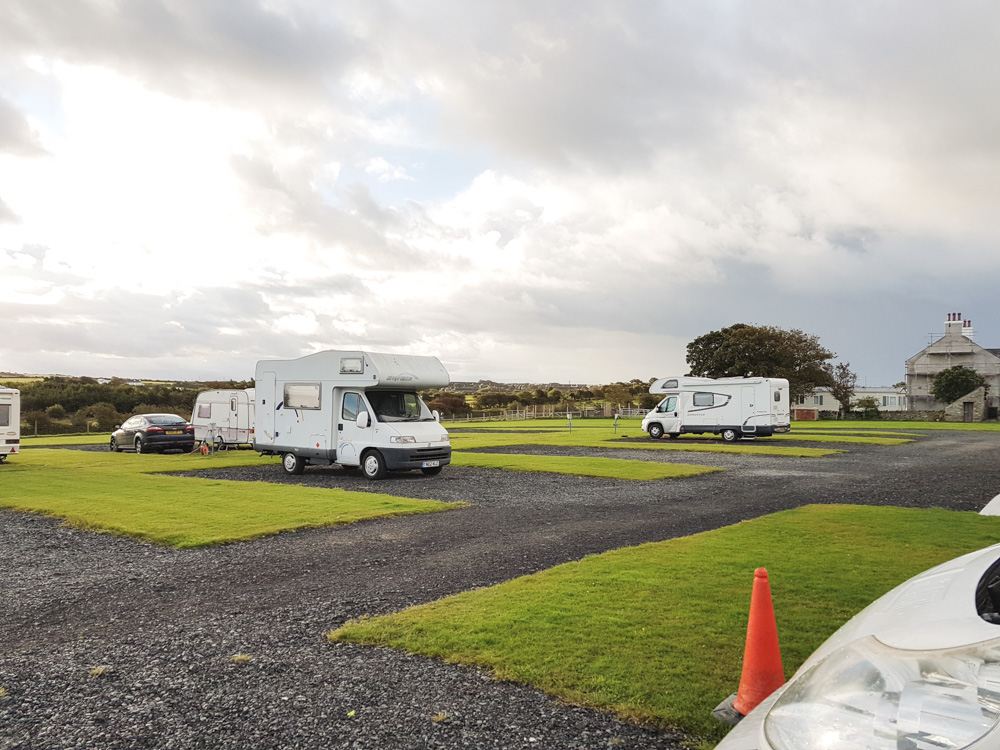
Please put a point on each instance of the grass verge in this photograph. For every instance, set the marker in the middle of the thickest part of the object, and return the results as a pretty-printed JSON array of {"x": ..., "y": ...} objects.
[
  {"x": 127, "y": 495},
  {"x": 656, "y": 632},
  {"x": 610, "y": 468}
]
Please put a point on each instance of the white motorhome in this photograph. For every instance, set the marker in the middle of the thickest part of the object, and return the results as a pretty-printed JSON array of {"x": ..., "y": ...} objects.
[
  {"x": 10, "y": 422},
  {"x": 731, "y": 407},
  {"x": 224, "y": 417},
  {"x": 351, "y": 408}
]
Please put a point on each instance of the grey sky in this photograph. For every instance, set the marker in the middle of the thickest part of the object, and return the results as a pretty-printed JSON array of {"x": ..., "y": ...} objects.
[{"x": 531, "y": 191}]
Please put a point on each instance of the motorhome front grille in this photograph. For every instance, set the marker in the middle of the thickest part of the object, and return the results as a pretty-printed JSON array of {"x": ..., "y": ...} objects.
[{"x": 430, "y": 454}]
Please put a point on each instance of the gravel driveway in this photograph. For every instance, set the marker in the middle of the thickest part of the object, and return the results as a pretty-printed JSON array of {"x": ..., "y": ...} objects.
[{"x": 159, "y": 627}]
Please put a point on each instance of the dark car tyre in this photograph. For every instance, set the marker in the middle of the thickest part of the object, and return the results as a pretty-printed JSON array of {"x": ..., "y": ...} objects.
[
  {"x": 139, "y": 445},
  {"x": 373, "y": 465},
  {"x": 656, "y": 430},
  {"x": 292, "y": 464}
]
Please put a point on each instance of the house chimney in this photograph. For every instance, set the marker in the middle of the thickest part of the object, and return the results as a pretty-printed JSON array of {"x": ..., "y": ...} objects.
[
  {"x": 967, "y": 330},
  {"x": 954, "y": 326}
]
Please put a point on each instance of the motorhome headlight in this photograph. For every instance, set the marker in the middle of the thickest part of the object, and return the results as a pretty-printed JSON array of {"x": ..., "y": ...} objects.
[
  {"x": 445, "y": 438},
  {"x": 868, "y": 695},
  {"x": 402, "y": 439}
]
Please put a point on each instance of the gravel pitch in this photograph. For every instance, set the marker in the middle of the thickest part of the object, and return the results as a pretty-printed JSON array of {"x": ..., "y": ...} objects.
[{"x": 107, "y": 642}]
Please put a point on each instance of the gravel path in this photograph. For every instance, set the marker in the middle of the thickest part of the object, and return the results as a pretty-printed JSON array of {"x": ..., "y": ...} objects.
[{"x": 159, "y": 627}]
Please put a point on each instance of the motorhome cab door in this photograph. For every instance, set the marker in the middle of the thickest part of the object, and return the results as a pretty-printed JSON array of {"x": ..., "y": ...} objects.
[
  {"x": 352, "y": 439},
  {"x": 668, "y": 414}
]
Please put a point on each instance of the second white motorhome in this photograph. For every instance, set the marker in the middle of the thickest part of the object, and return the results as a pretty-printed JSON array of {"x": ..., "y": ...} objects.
[
  {"x": 10, "y": 422},
  {"x": 357, "y": 409},
  {"x": 731, "y": 407},
  {"x": 224, "y": 417}
]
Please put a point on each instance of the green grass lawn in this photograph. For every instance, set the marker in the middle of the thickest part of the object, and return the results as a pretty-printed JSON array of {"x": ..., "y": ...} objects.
[
  {"x": 611, "y": 468},
  {"x": 128, "y": 495},
  {"x": 656, "y": 632}
]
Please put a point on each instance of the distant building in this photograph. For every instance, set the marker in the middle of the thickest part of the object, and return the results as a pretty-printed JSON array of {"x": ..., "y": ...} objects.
[
  {"x": 956, "y": 347},
  {"x": 888, "y": 398}
]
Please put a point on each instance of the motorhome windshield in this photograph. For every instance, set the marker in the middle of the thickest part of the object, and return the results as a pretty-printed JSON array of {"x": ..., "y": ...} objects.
[{"x": 399, "y": 406}]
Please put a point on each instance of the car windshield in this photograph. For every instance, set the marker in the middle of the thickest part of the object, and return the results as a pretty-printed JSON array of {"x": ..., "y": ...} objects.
[
  {"x": 165, "y": 419},
  {"x": 399, "y": 406}
]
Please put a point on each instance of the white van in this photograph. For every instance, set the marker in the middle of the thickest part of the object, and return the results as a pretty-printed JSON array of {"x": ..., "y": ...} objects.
[
  {"x": 731, "y": 407},
  {"x": 10, "y": 422},
  {"x": 224, "y": 417},
  {"x": 351, "y": 408}
]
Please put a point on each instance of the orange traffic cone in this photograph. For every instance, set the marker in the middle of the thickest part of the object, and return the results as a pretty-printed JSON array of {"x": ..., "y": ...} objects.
[{"x": 762, "y": 670}]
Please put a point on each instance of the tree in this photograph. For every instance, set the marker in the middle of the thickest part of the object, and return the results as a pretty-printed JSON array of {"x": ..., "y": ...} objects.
[
  {"x": 743, "y": 350},
  {"x": 951, "y": 384},
  {"x": 868, "y": 406},
  {"x": 842, "y": 387}
]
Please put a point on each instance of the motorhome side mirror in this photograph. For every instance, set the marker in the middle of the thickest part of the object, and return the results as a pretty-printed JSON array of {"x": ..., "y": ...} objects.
[
  {"x": 437, "y": 415},
  {"x": 362, "y": 420}
]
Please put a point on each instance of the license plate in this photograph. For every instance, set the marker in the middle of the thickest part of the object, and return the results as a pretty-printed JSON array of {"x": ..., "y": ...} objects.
[
  {"x": 175, "y": 432},
  {"x": 429, "y": 464}
]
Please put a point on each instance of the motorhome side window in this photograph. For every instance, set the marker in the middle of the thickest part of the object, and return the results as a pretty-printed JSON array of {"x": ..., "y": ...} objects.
[
  {"x": 670, "y": 384},
  {"x": 353, "y": 406},
  {"x": 4, "y": 415},
  {"x": 703, "y": 399},
  {"x": 301, "y": 396}
]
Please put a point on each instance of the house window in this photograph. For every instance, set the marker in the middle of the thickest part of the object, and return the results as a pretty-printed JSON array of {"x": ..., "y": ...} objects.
[
  {"x": 817, "y": 400},
  {"x": 800, "y": 400},
  {"x": 892, "y": 401},
  {"x": 301, "y": 395}
]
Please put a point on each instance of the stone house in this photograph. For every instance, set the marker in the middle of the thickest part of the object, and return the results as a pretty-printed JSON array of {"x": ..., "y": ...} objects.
[{"x": 956, "y": 347}]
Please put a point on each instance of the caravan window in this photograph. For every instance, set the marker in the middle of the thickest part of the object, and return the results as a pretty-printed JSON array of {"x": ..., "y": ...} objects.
[
  {"x": 301, "y": 395},
  {"x": 703, "y": 399},
  {"x": 4, "y": 415},
  {"x": 777, "y": 396},
  {"x": 204, "y": 411}
]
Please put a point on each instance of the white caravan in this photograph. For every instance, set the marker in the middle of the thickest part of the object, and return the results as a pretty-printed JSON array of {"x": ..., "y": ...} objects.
[
  {"x": 224, "y": 417},
  {"x": 351, "y": 408},
  {"x": 10, "y": 422},
  {"x": 731, "y": 407}
]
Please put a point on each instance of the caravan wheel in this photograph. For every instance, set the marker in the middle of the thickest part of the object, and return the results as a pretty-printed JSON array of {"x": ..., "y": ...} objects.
[{"x": 292, "y": 464}]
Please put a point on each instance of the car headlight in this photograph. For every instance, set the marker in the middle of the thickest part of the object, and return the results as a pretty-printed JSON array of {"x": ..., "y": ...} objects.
[
  {"x": 869, "y": 695},
  {"x": 402, "y": 439}
]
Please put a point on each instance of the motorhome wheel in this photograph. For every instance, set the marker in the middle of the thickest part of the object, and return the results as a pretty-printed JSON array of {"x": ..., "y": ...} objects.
[
  {"x": 673, "y": 435},
  {"x": 656, "y": 430},
  {"x": 730, "y": 436},
  {"x": 292, "y": 464},
  {"x": 373, "y": 465}
]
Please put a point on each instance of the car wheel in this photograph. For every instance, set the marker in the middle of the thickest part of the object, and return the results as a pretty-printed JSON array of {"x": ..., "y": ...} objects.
[
  {"x": 113, "y": 446},
  {"x": 656, "y": 430},
  {"x": 730, "y": 435},
  {"x": 373, "y": 465},
  {"x": 292, "y": 464},
  {"x": 139, "y": 447},
  {"x": 432, "y": 470}
]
